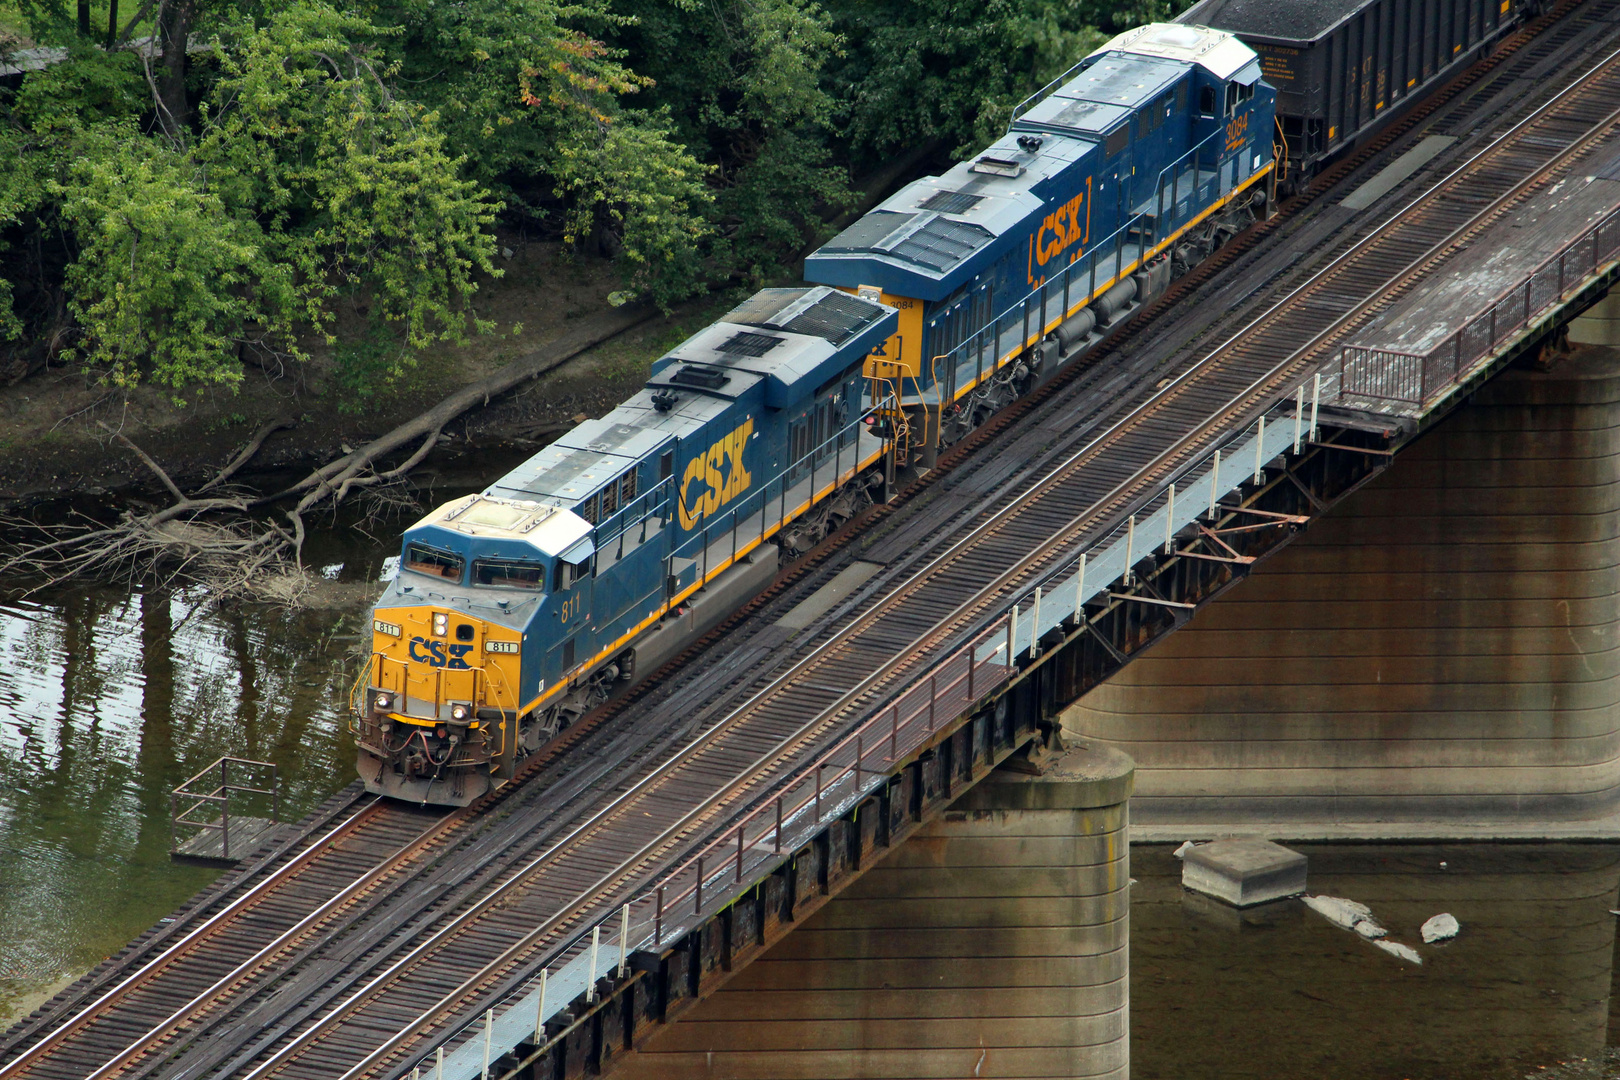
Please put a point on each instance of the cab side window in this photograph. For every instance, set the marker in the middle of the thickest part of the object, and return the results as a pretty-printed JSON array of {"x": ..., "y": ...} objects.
[
  {"x": 1206, "y": 101},
  {"x": 1236, "y": 94}
]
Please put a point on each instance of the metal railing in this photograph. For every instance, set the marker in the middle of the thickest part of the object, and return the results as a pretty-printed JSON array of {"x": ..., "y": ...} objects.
[
  {"x": 219, "y": 797},
  {"x": 1418, "y": 378},
  {"x": 1076, "y": 284},
  {"x": 774, "y": 501}
]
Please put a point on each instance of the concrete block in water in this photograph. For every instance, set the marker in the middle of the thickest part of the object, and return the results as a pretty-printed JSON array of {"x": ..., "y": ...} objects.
[{"x": 1244, "y": 872}]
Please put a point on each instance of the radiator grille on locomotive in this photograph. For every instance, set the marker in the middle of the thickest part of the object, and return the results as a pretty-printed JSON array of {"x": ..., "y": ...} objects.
[
  {"x": 950, "y": 202},
  {"x": 746, "y": 344}
]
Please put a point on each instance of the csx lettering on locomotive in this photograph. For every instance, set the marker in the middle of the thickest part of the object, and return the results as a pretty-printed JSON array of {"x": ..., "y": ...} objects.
[
  {"x": 432, "y": 653},
  {"x": 714, "y": 478},
  {"x": 1063, "y": 228}
]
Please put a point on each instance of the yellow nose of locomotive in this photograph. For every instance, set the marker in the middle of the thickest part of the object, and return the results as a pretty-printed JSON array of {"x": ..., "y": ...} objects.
[{"x": 433, "y": 665}]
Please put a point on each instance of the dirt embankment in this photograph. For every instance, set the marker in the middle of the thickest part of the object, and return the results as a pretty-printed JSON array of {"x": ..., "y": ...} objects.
[{"x": 55, "y": 443}]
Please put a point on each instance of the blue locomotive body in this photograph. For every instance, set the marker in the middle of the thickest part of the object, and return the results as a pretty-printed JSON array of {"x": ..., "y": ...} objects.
[
  {"x": 1147, "y": 152},
  {"x": 517, "y": 609}
]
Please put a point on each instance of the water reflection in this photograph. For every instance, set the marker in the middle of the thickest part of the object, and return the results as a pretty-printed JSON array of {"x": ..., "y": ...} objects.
[
  {"x": 1526, "y": 984},
  {"x": 107, "y": 701}
]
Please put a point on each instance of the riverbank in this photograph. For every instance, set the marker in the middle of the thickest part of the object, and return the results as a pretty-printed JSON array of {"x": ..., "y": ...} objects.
[{"x": 55, "y": 427}]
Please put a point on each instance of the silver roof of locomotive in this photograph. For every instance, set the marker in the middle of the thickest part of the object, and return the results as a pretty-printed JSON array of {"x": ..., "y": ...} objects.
[{"x": 1216, "y": 51}]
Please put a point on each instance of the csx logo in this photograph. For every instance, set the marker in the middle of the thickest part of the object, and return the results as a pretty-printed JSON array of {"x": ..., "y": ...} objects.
[
  {"x": 1069, "y": 226},
  {"x": 714, "y": 478},
  {"x": 431, "y": 652}
]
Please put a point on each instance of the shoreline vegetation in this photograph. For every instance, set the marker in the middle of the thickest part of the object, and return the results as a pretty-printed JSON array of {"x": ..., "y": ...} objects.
[{"x": 241, "y": 243}]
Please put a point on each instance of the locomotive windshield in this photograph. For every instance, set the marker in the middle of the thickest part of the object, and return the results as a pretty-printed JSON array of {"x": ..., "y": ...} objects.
[
  {"x": 509, "y": 573},
  {"x": 431, "y": 560}
]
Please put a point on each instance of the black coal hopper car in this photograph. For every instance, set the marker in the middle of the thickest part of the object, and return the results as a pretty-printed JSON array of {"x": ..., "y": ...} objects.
[{"x": 1344, "y": 69}]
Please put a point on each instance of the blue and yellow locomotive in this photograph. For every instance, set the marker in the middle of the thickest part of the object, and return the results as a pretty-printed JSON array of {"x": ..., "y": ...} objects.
[
  {"x": 518, "y": 609},
  {"x": 1112, "y": 180}
]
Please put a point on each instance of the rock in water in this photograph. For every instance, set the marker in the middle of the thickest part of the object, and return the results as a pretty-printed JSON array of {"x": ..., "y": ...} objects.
[
  {"x": 1405, "y": 952},
  {"x": 1369, "y": 929},
  {"x": 1442, "y": 927},
  {"x": 1338, "y": 911}
]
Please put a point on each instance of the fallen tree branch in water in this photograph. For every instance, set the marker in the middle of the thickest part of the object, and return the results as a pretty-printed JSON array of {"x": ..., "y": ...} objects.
[{"x": 220, "y": 542}]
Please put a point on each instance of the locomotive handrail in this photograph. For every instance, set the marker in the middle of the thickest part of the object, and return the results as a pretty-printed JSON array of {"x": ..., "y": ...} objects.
[
  {"x": 1046, "y": 91},
  {"x": 992, "y": 331}
]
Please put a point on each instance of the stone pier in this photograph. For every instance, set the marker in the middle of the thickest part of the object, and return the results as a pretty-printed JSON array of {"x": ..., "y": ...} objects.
[
  {"x": 995, "y": 943},
  {"x": 1439, "y": 656}
]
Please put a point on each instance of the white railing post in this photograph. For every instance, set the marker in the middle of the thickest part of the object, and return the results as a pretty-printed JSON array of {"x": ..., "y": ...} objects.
[
  {"x": 624, "y": 937},
  {"x": 1214, "y": 485},
  {"x": 1316, "y": 398},
  {"x": 1170, "y": 521},
  {"x": 540, "y": 1011},
  {"x": 489, "y": 1036},
  {"x": 1080, "y": 592},
  {"x": 1012, "y": 637},
  {"x": 1035, "y": 626},
  {"x": 596, "y": 945},
  {"x": 1130, "y": 548},
  {"x": 1259, "y": 450},
  {"x": 1299, "y": 414}
]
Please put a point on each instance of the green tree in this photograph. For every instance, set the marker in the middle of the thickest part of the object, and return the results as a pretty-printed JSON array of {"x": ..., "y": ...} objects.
[
  {"x": 167, "y": 278},
  {"x": 920, "y": 71},
  {"x": 742, "y": 81}
]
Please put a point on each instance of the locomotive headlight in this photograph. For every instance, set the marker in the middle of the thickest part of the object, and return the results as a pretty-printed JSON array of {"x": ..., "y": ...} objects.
[
  {"x": 441, "y": 624},
  {"x": 460, "y": 713},
  {"x": 383, "y": 702}
]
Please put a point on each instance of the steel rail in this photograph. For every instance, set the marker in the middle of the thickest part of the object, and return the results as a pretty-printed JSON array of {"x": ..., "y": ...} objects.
[
  {"x": 1001, "y": 517},
  {"x": 152, "y": 967},
  {"x": 245, "y": 968}
]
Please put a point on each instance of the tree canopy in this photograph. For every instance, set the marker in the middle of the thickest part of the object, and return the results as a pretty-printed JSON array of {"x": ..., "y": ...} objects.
[{"x": 204, "y": 182}]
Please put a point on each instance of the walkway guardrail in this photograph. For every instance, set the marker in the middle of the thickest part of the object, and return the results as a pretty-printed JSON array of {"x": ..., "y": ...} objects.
[
  {"x": 1418, "y": 378},
  {"x": 200, "y": 799}
]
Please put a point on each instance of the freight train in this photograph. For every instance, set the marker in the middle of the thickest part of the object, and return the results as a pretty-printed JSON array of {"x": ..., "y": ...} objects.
[{"x": 518, "y": 609}]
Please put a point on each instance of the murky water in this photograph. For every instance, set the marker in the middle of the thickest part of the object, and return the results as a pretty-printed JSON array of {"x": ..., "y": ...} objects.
[
  {"x": 108, "y": 700},
  {"x": 1285, "y": 993}
]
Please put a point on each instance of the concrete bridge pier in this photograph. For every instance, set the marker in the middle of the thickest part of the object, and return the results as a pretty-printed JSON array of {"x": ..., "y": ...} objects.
[
  {"x": 994, "y": 943},
  {"x": 1439, "y": 656}
]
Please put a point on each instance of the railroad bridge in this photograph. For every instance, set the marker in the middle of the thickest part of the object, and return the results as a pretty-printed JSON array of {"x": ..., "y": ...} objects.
[{"x": 565, "y": 925}]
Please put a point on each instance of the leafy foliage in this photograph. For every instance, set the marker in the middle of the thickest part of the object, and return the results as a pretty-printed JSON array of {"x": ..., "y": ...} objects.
[
  {"x": 742, "y": 80},
  {"x": 161, "y": 220}
]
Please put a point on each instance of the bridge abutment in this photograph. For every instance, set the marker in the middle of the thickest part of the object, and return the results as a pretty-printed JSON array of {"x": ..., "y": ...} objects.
[
  {"x": 1439, "y": 655},
  {"x": 993, "y": 943}
]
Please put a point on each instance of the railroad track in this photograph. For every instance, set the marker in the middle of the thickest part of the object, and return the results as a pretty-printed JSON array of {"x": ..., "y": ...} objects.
[{"x": 498, "y": 921}]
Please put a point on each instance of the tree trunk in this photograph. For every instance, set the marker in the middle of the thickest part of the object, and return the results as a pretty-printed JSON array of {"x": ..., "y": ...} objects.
[
  {"x": 174, "y": 28},
  {"x": 84, "y": 18},
  {"x": 112, "y": 24}
]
